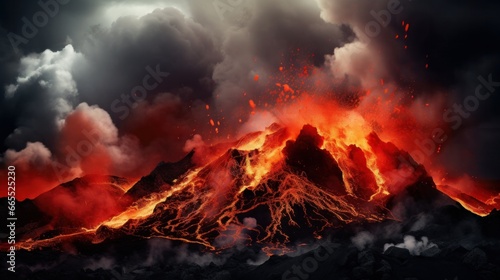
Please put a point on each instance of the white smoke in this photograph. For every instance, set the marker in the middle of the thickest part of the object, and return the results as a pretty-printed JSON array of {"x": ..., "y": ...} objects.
[
  {"x": 363, "y": 240},
  {"x": 411, "y": 244},
  {"x": 259, "y": 259}
]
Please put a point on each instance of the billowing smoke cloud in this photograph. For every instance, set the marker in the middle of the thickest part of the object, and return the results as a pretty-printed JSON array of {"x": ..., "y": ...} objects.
[
  {"x": 414, "y": 246},
  {"x": 137, "y": 80},
  {"x": 187, "y": 68},
  {"x": 42, "y": 95},
  {"x": 431, "y": 54},
  {"x": 35, "y": 159}
]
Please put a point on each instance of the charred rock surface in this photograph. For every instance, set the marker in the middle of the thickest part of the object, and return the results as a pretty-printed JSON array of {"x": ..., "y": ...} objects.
[
  {"x": 305, "y": 155},
  {"x": 161, "y": 178}
]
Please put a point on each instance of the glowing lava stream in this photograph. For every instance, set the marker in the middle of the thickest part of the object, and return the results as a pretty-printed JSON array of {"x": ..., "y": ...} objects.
[
  {"x": 265, "y": 189},
  {"x": 206, "y": 204},
  {"x": 145, "y": 207}
]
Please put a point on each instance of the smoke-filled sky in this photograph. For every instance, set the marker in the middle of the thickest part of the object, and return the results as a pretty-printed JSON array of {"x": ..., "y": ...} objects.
[{"x": 117, "y": 86}]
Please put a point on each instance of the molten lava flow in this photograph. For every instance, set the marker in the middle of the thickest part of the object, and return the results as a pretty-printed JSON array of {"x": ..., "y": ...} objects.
[
  {"x": 472, "y": 194},
  {"x": 274, "y": 188},
  {"x": 292, "y": 186}
]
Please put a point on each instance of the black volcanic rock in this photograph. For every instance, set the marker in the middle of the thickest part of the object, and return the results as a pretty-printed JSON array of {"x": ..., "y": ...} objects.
[
  {"x": 398, "y": 253},
  {"x": 362, "y": 179},
  {"x": 419, "y": 197},
  {"x": 305, "y": 155},
  {"x": 431, "y": 251},
  {"x": 476, "y": 258},
  {"x": 454, "y": 252},
  {"x": 161, "y": 178},
  {"x": 31, "y": 218},
  {"x": 491, "y": 224},
  {"x": 384, "y": 270}
]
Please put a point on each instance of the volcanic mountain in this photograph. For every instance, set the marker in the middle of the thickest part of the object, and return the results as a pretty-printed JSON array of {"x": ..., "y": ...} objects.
[
  {"x": 297, "y": 192},
  {"x": 274, "y": 189},
  {"x": 270, "y": 193}
]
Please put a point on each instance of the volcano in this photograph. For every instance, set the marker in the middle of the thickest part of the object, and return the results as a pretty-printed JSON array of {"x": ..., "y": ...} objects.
[
  {"x": 277, "y": 194},
  {"x": 271, "y": 191},
  {"x": 269, "y": 188},
  {"x": 273, "y": 188}
]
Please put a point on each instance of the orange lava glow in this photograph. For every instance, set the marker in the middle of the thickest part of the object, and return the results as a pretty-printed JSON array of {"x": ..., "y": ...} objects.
[
  {"x": 209, "y": 204},
  {"x": 259, "y": 190},
  {"x": 219, "y": 204}
]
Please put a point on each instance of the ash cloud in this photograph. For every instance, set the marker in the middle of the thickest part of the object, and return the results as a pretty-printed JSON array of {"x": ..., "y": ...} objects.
[
  {"x": 455, "y": 40},
  {"x": 106, "y": 60},
  {"x": 94, "y": 52}
]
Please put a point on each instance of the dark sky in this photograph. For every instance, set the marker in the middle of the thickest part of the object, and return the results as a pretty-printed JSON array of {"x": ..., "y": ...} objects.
[{"x": 86, "y": 55}]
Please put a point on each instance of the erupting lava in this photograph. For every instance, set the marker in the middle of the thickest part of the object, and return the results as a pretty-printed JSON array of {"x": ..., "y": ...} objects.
[
  {"x": 273, "y": 188},
  {"x": 270, "y": 190}
]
